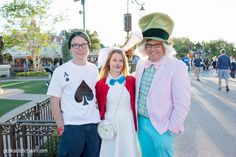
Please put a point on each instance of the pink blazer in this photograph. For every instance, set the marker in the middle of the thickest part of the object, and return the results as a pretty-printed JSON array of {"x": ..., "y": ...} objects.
[{"x": 168, "y": 101}]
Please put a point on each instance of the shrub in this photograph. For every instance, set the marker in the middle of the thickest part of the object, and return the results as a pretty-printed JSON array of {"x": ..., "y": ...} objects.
[
  {"x": 32, "y": 74},
  {"x": 51, "y": 145}
]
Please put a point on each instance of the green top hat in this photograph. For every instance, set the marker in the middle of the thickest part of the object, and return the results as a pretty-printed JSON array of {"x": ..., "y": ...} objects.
[{"x": 156, "y": 26}]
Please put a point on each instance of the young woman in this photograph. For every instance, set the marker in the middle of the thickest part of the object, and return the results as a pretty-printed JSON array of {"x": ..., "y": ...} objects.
[
  {"x": 74, "y": 108},
  {"x": 115, "y": 93}
]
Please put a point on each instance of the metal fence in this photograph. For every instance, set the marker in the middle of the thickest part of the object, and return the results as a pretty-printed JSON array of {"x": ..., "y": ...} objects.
[
  {"x": 41, "y": 111},
  {"x": 31, "y": 133}
]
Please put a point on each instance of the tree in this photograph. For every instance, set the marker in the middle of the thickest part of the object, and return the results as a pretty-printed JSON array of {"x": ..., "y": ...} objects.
[
  {"x": 182, "y": 45},
  {"x": 1, "y": 49},
  {"x": 212, "y": 48},
  {"x": 21, "y": 28},
  {"x": 95, "y": 42},
  {"x": 207, "y": 48}
]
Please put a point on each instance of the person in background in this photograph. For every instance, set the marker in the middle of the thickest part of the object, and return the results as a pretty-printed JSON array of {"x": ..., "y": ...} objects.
[
  {"x": 187, "y": 61},
  {"x": 16, "y": 67},
  {"x": 25, "y": 66},
  {"x": 233, "y": 68},
  {"x": 50, "y": 70},
  {"x": 213, "y": 64},
  {"x": 20, "y": 66},
  {"x": 115, "y": 93},
  {"x": 197, "y": 64},
  {"x": 223, "y": 67},
  {"x": 73, "y": 101},
  {"x": 162, "y": 88},
  {"x": 206, "y": 63},
  {"x": 130, "y": 47},
  {"x": 132, "y": 59}
]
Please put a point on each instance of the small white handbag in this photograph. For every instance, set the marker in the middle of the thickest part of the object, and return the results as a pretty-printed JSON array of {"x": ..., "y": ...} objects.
[{"x": 107, "y": 129}]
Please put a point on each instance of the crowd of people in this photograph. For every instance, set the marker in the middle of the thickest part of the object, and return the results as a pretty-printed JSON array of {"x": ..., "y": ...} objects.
[
  {"x": 222, "y": 66},
  {"x": 145, "y": 107}
]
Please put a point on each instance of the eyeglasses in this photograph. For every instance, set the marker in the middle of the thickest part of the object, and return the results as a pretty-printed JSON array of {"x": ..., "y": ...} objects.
[
  {"x": 77, "y": 46},
  {"x": 155, "y": 46}
]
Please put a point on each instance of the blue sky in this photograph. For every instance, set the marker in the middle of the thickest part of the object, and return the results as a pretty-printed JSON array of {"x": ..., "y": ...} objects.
[{"x": 196, "y": 19}]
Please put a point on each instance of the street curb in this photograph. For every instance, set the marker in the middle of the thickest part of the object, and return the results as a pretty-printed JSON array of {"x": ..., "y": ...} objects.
[{"x": 23, "y": 78}]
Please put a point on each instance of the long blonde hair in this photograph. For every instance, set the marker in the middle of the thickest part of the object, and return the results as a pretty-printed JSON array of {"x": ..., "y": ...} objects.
[{"x": 106, "y": 68}]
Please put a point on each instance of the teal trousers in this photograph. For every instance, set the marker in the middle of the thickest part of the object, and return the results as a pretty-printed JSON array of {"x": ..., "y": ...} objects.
[{"x": 152, "y": 143}]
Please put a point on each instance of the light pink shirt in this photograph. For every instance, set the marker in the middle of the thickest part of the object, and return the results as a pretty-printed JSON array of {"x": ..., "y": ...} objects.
[{"x": 168, "y": 100}]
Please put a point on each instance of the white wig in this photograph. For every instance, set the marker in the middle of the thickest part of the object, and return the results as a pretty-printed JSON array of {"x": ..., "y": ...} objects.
[{"x": 169, "y": 50}]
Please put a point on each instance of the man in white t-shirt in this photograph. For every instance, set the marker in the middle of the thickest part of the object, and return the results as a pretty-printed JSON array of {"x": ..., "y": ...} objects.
[{"x": 74, "y": 108}]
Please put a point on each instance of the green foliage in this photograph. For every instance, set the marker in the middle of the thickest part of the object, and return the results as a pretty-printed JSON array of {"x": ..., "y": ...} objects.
[
  {"x": 95, "y": 42},
  {"x": 208, "y": 48},
  {"x": 18, "y": 13},
  {"x": 181, "y": 45},
  {"x": 66, "y": 55},
  {"x": 213, "y": 47},
  {"x": 32, "y": 74},
  {"x": 13, "y": 39},
  {"x": 21, "y": 29},
  {"x": 51, "y": 145},
  {"x": 1, "y": 49}
]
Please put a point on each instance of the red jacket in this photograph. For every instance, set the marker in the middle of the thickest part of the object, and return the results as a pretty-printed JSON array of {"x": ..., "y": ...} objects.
[{"x": 101, "y": 95}]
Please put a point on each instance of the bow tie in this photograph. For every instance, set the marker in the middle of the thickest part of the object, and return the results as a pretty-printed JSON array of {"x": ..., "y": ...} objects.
[
  {"x": 120, "y": 80},
  {"x": 148, "y": 64},
  {"x": 156, "y": 64}
]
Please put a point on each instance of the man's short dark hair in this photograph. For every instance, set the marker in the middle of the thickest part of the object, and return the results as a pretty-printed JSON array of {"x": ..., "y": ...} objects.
[{"x": 223, "y": 51}]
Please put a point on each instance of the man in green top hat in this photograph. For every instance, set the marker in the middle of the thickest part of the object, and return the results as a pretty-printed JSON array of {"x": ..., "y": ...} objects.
[{"x": 162, "y": 88}]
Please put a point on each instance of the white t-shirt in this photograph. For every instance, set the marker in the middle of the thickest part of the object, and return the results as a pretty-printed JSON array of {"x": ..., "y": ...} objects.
[{"x": 75, "y": 85}]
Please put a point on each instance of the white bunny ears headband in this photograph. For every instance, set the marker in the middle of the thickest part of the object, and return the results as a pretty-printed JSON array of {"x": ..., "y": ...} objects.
[{"x": 135, "y": 38}]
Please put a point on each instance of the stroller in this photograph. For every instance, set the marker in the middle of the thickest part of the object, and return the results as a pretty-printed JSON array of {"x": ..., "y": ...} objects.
[{"x": 50, "y": 70}]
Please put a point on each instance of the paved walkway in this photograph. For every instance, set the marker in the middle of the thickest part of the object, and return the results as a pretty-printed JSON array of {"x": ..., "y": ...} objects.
[
  {"x": 211, "y": 123},
  {"x": 210, "y": 74},
  {"x": 23, "y": 79},
  {"x": 18, "y": 94}
]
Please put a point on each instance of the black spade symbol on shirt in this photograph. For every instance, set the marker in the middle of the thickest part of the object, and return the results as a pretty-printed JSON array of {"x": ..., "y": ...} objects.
[{"x": 83, "y": 93}]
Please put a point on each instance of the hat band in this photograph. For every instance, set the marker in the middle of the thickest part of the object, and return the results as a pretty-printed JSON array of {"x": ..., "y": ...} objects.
[{"x": 156, "y": 32}]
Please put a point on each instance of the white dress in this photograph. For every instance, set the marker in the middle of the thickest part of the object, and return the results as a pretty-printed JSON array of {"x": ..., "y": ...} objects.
[{"x": 125, "y": 143}]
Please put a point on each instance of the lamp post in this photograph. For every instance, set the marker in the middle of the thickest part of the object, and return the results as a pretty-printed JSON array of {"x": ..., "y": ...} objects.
[
  {"x": 128, "y": 17},
  {"x": 127, "y": 21},
  {"x": 1, "y": 49},
  {"x": 82, "y": 12},
  {"x": 140, "y": 4}
]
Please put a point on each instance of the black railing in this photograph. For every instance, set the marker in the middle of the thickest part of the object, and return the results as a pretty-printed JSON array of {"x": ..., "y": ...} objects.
[
  {"x": 41, "y": 111},
  {"x": 28, "y": 138},
  {"x": 30, "y": 133}
]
